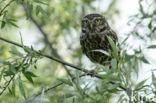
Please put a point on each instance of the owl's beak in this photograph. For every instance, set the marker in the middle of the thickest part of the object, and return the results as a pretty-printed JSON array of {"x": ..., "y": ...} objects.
[{"x": 91, "y": 26}]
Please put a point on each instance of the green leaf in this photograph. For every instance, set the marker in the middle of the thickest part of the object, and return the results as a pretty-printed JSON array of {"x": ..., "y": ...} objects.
[
  {"x": 125, "y": 40},
  {"x": 144, "y": 60},
  {"x": 113, "y": 88},
  {"x": 128, "y": 57},
  {"x": 129, "y": 92},
  {"x": 1, "y": 73},
  {"x": 35, "y": 66},
  {"x": 13, "y": 87},
  {"x": 110, "y": 76},
  {"x": 21, "y": 39},
  {"x": 3, "y": 24},
  {"x": 37, "y": 10},
  {"x": 150, "y": 25},
  {"x": 140, "y": 85},
  {"x": 44, "y": 13},
  {"x": 9, "y": 73},
  {"x": 104, "y": 68},
  {"x": 12, "y": 20},
  {"x": 30, "y": 74},
  {"x": 121, "y": 98},
  {"x": 29, "y": 9},
  {"x": 141, "y": 8},
  {"x": 68, "y": 95},
  {"x": 65, "y": 81},
  {"x": 41, "y": 2},
  {"x": 153, "y": 80},
  {"x": 113, "y": 63},
  {"x": 28, "y": 50},
  {"x": 14, "y": 51},
  {"x": 152, "y": 47},
  {"x": 102, "y": 51},
  {"x": 12, "y": 23},
  {"x": 5, "y": 14},
  {"x": 115, "y": 49},
  {"x": 154, "y": 92},
  {"x": 29, "y": 78},
  {"x": 10, "y": 90},
  {"x": 21, "y": 88}
]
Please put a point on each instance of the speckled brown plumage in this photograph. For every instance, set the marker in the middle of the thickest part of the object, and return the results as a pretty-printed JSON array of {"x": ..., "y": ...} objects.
[{"x": 93, "y": 37}]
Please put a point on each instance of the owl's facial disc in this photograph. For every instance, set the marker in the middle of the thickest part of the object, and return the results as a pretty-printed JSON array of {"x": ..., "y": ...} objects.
[
  {"x": 93, "y": 24},
  {"x": 85, "y": 24}
]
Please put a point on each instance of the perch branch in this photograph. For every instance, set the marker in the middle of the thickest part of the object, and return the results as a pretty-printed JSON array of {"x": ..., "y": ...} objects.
[
  {"x": 60, "y": 61},
  {"x": 65, "y": 63},
  {"x": 47, "y": 56}
]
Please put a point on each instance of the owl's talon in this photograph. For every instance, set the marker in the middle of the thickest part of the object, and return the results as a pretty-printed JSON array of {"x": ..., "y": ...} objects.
[{"x": 93, "y": 72}]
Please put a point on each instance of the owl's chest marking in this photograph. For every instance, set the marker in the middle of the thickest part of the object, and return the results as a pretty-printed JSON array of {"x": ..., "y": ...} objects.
[{"x": 94, "y": 42}]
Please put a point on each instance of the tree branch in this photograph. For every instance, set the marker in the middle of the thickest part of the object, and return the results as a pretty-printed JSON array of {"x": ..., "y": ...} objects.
[
  {"x": 46, "y": 40},
  {"x": 64, "y": 63},
  {"x": 7, "y": 85},
  {"x": 12, "y": 76},
  {"x": 12, "y": 61},
  {"x": 47, "y": 56},
  {"x": 60, "y": 61}
]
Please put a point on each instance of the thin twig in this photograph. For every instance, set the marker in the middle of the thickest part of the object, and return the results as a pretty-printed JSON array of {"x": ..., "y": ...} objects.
[
  {"x": 1, "y": 12},
  {"x": 50, "y": 88},
  {"x": 7, "y": 85},
  {"x": 11, "y": 61}
]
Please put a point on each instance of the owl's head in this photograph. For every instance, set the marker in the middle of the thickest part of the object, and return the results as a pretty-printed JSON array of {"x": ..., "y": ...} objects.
[{"x": 94, "y": 23}]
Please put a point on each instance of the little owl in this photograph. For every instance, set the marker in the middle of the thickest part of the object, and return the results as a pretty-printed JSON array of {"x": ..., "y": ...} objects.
[{"x": 95, "y": 30}]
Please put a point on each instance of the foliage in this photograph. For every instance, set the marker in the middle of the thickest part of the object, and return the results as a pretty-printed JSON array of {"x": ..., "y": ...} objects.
[{"x": 24, "y": 72}]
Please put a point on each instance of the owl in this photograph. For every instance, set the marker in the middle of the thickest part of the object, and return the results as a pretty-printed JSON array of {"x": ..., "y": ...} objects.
[{"x": 95, "y": 30}]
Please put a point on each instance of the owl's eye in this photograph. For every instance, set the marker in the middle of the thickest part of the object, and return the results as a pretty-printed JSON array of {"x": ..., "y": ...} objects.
[
  {"x": 98, "y": 21},
  {"x": 86, "y": 22}
]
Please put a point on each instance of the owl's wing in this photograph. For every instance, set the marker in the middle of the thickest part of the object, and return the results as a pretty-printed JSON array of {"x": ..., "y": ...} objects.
[
  {"x": 82, "y": 38},
  {"x": 109, "y": 33},
  {"x": 113, "y": 36},
  {"x": 104, "y": 43},
  {"x": 82, "y": 42}
]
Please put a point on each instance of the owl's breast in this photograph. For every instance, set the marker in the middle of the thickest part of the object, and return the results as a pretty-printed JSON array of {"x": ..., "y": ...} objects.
[
  {"x": 92, "y": 42},
  {"x": 95, "y": 42}
]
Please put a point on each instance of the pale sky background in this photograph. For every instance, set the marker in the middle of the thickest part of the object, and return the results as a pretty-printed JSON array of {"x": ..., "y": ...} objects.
[{"x": 127, "y": 8}]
